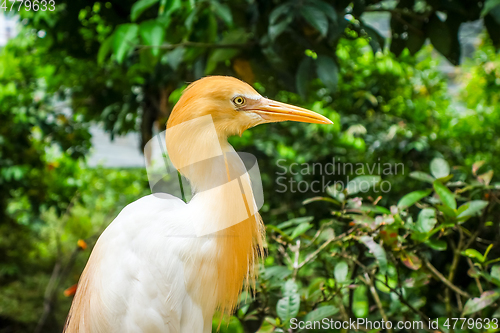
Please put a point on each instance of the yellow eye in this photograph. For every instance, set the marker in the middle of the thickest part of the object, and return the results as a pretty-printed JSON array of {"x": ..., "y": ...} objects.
[{"x": 239, "y": 101}]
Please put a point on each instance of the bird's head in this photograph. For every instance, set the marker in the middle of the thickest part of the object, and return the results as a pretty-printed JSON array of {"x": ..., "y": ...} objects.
[{"x": 235, "y": 106}]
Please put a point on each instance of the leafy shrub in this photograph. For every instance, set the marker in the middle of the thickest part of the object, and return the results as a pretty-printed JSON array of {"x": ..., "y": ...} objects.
[{"x": 432, "y": 254}]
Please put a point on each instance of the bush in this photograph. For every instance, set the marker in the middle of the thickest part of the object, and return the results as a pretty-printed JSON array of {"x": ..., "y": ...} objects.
[{"x": 432, "y": 254}]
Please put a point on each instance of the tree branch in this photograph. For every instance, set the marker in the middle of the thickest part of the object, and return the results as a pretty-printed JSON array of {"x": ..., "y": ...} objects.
[
  {"x": 197, "y": 44},
  {"x": 440, "y": 276}
]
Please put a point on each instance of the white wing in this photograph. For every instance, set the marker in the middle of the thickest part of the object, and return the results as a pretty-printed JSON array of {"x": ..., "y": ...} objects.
[{"x": 134, "y": 280}]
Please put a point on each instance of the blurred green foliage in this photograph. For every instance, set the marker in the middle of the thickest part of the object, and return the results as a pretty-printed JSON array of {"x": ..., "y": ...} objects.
[{"x": 124, "y": 64}]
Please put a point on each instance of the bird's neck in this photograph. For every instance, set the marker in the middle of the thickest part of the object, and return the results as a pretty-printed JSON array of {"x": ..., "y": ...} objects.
[
  {"x": 224, "y": 203},
  {"x": 197, "y": 150}
]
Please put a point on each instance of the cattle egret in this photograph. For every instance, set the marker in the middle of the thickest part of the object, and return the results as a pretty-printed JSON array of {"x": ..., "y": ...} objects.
[{"x": 164, "y": 265}]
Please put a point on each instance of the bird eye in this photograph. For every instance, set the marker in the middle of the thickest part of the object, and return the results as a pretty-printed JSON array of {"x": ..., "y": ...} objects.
[{"x": 239, "y": 101}]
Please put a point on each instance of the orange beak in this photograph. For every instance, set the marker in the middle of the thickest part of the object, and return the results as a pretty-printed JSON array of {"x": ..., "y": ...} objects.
[{"x": 272, "y": 111}]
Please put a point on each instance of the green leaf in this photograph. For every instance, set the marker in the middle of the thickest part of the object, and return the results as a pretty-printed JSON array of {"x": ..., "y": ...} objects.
[
  {"x": 152, "y": 33},
  {"x": 325, "y": 8},
  {"x": 175, "y": 57},
  {"x": 495, "y": 272},
  {"x": 300, "y": 229},
  {"x": 320, "y": 313},
  {"x": 439, "y": 168},
  {"x": 476, "y": 166},
  {"x": 362, "y": 184},
  {"x": 315, "y": 18},
  {"x": 485, "y": 178},
  {"x": 223, "y": 54},
  {"x": 360, "y": 302},
  {"x": 340, "y": 272},
  {"x": 377, "y": 251},
  {"x": 302, "y": 76},
  {"x": 288, "y": 307},
  {"x": 377, "y": 41},
  {"x": 472, "y": 253},
  {"x": 411, "y": 198},
  {"x": 278, "y": 12},
  {"x": 416, "y": 37},
  {"x": 426, "y": 220},
  {"x": 277, "y": 29},
  {"x": 419, "y": 175},
  {"x": 295, "y": 221},
  {"x": 314, "y": 199},
  {"x": 289, "y": 288},
  {"x": 473, "y": 208},
  {"x": 327, "y": 71},
  {"x": 445, "y": 195},
  {"x": 105, "y": 49},
  {"x": 488, "y": 6},
  {"x": 223, "y": 11},
  {"x": 139, "y": 7},
  {"x": 411, "y": 261},
  {"x": 437, "y": 244},
  {"x": 447, "y": 210},
  {"x": 474, "y": 305},
  {"x": 277, "y": 272},
  {"x": 124, "y": 40},
  {"x": 440, "y": 36}
]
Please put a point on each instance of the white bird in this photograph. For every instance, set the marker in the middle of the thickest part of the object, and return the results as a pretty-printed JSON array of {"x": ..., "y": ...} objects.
[{"x": 164, "y": 265}]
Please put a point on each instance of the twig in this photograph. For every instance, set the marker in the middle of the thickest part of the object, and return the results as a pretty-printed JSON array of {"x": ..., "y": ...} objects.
[
  {"x": 478, "y": 283},
  {"x": 197, "y": 44},
  {"x": 48, "y": 297},
  {"x": 313, "y": 255},
  {"x": 380, "y": 307},
  {"x": 440, "y": 276},
  {"x": 400, "y": 12}
]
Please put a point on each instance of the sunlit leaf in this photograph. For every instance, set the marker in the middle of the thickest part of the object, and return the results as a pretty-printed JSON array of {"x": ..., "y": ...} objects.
[
  {"x": 485, "y": 178},
  {"x": 295, "y": 221},
  {"x": 152, "y": 33},
  {"x": 426, "y": 220},
  {"x": 124, "y": 40},
  {"x": 477, "y": 165},
  {"x": 278, "y": 272},
  {"x": 320, "y": 313},
  {"x": 488, "y": 6},
  {"x": 300, "y": 229},
  {"x": 411, "y": 261},
  {"x": 439, "y": 168},
  {"x": 473, "y": 208},
  {"x": 340, "y": 272},
  {"x": 223, "y": 11},
  {"x": 105, "y": 49},
  {"x": 474, "y": 305},
  {"x": 288, "y": 307},
  {"x": 445, "y": 195},
  {"x": 419, "y": 175},
  {"x": 362, "y": 184},
  {"x": 377, "y": 250},
  {"x": 437, "y": 244},
  {"x": 360, "y": 305},
  {"x": 472, "y": 253},
  {"x": 411, "y": 198},
  {"x": 139, "y": 7}
]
